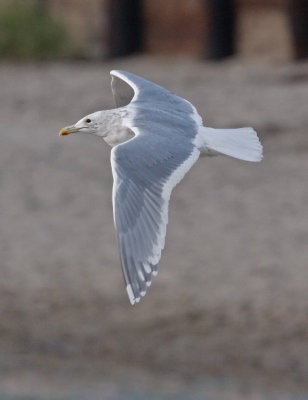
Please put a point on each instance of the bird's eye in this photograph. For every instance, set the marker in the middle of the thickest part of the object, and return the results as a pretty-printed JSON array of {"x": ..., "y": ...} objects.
[{"x": 88, "y": 120}]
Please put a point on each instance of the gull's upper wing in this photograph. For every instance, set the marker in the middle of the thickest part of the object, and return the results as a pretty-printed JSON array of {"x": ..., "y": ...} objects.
[
  {"x": 145, "y": 170},
  {"x": 144, "y": 175}
]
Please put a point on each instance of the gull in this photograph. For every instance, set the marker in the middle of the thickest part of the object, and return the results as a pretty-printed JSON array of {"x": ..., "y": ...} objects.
[{"x": 156, "y": 137}]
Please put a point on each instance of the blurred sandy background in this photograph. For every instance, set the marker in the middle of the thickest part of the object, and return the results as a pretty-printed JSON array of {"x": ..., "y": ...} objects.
[{"x": 226, "y": 317}]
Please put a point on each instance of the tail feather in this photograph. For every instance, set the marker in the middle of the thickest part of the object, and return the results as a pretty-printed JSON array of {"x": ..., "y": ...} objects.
[{"x": 242, "y": 143}]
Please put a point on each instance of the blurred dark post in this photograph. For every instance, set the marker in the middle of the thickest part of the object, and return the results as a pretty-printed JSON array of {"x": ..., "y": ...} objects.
[
  {"x": 220, "y": 38},
  {"x": 299, "y": 24},
  {"x": 125, "y": 29}
]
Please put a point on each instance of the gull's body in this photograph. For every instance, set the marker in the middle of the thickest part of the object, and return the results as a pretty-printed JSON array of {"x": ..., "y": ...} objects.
[{"x": 156, "y": 138}]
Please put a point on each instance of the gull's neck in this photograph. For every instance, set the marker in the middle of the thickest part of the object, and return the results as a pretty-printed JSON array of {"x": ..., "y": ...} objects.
[{"x": 112, "y": 126}]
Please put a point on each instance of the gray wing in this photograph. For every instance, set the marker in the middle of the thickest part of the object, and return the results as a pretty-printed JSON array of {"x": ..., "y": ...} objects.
[
  {"x": 145, "y": 170},
  {"x": 127, "y": 87},
  {"x": 122, "y": 92}
]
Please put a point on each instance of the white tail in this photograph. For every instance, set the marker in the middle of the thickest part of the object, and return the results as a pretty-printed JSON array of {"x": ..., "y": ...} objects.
[{"x": 242, "y": 143}]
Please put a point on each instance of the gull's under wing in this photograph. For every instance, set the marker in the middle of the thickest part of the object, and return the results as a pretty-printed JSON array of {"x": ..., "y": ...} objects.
[
  {"x": 127, "y": 87},
  {"x": 145, "y": 170}
]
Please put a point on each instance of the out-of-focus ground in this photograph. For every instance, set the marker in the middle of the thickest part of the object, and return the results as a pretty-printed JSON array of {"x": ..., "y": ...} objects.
[{"x": 228, "y": 310}]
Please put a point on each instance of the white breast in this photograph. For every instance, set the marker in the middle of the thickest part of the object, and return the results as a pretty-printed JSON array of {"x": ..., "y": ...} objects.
[{"x": 118, "y": 135}]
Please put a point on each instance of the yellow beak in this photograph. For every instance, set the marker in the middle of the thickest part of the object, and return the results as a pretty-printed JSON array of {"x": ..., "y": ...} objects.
[{"x": 67, "y": 130}]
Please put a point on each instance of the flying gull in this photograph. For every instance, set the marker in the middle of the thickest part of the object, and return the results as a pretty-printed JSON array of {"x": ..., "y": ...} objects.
[{"x": 156, "y": 137}]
